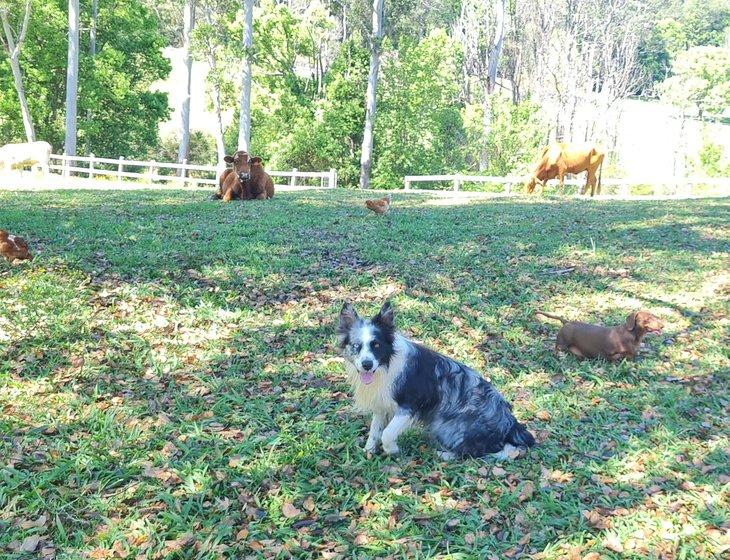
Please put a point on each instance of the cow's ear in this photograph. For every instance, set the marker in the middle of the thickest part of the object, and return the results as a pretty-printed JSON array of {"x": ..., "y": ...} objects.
[
  {"x": 256, "y": 160},
  {"x": 228, "y": 159}
]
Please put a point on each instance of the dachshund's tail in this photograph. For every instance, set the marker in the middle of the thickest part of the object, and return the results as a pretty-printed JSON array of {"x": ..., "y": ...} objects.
[{"x": 551, "y": 316}]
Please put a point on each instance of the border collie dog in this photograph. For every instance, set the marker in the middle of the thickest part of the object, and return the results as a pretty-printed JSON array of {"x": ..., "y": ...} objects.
[{"x": 401, "y": 383}]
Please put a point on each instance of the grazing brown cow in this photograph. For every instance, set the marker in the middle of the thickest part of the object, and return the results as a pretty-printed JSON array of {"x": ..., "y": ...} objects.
[
  {"x": 13, "y": 247},
  {"x": 560, "y": 158},
  {"x": 246, "y": 181}
]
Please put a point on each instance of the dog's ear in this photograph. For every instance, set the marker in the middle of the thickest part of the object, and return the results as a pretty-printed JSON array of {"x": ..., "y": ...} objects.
[
  {"x": 386, "y": 316},
  {"x": 348, "y": 317},
  {"x": 228, "y": 159},
  {"x": 631, "y": 322}
]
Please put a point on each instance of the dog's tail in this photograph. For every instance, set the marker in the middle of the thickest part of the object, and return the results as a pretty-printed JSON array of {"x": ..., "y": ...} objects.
[
  {"x": 551, "y": 316},
  {"x": 519, "y": 436}
]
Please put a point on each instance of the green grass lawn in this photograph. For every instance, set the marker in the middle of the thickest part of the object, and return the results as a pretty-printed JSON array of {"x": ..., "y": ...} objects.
[{"x": 169, "y": 385}]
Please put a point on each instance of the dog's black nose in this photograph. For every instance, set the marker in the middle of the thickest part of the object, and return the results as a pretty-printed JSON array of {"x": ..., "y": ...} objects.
[{"x": 367, "y": 365}]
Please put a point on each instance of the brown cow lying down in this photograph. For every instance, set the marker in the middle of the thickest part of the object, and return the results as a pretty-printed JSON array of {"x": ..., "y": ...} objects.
[
  {"x": 13, "y": 247},
  {"x": 560, "y": 158},
  {"x": 246, "y": 181}
]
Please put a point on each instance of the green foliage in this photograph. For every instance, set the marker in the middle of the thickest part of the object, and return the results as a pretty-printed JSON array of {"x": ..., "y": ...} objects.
[
  {"x": 215, "y": 41},
  {"x": 706, "y": 22},
  {"x": 713, "y": 160},
  {"x": 700, "y": 81},
  {"x": 695, "y": 23},
  {"x": 114, "y": 88},
  {"x": 516, "y": 133},
  {"x": 666, "y": 40},
  {"x": 332, "y": 137},
  {"x": 202, "y": 148},
  {"x": 418, "y": 129}
]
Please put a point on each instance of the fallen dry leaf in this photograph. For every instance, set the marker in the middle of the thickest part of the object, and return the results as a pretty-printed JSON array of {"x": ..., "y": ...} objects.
[
  {"x": 29, "y": 524},
  {"x": 489, "y": 514},
  {"x": 309, "y": 504},
  {"x": 290, "y": 511},
  {"x": 612, "y": 542},
  {"x": 100, "y": 553},
  {"x": 452, "y": 523},
  {"x": 30, "y": 543},
  {"x": 596, "y": 520},
  {"x": 119, "y": 550},
  {"x": 543, "y": 415},
  {"x": 527, "y": 491}
]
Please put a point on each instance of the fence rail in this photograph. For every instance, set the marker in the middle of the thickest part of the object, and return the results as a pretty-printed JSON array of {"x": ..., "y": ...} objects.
[
  {"x": 203, "y": 174},
  {"x": 680, "y": 185}
]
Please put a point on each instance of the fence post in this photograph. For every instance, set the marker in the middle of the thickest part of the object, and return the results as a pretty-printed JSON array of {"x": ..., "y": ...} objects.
[
  {"x": 151, "y": 170},
  {"x": 508, "y": 189},
  {"x": 457, "y": 182},
  {"x": 332, "y": 181},
  {"x": 120, "y": 168},
  {"x": 64, "y": 164},
  {"x": 184, "y": 171},
  {"x": 293, "y": 180},
  {"x": 91, "y": 165},
  {"x": 407, "y": 182},
  {"x": 625, "y": 190}
]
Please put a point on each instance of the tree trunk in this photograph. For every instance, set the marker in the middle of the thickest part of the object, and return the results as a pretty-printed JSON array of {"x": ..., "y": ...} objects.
[
  {"x": 244, "y": 119},
  {"x": 92, "y": 52},
  {"x": 495, "y": 52},
  {"x": 72, "y": 76},
  {"x": 188, "y": 22},
  {"x": 13, "y": 49},
  {"x": 367, "y": 139}
]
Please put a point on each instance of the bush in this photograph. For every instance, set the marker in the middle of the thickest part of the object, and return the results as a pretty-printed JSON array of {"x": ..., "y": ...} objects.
[
  {"x": 713, "y": 161},
  {"x": 202, "y": 150}
]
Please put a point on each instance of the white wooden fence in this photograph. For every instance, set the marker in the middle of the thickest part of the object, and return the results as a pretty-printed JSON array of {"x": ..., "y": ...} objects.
[
  {"x": 182, "y": 173},
  {"x": 679, "y": 186}
]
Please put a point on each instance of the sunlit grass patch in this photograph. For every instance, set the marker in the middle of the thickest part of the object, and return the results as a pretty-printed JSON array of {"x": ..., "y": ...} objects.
[{"x": 169, "y": 385}]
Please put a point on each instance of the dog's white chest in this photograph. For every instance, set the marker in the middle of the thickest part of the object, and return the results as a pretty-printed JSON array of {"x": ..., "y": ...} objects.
[{"x": 375, "y": 397}]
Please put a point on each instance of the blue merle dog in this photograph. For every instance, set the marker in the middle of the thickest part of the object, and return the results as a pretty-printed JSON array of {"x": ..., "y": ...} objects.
[{"x": 401, "y": 383}]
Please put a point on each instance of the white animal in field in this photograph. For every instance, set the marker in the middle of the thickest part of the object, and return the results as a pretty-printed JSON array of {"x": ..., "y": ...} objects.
[{"x": 28, "y": 154}]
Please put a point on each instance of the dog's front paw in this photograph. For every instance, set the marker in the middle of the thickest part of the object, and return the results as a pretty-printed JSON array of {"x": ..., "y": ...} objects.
[
  {"x": 391, "y": 449},
  {"x": 371, "y": 446}
]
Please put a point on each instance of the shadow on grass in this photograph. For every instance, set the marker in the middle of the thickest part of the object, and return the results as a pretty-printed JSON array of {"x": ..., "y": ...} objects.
[{"x": 210, "y": 419}]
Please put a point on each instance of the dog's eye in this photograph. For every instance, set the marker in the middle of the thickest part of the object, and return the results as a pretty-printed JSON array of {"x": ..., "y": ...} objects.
[
  {"x": 376, "y": 345},
  {"x": 356, "y": 347}
]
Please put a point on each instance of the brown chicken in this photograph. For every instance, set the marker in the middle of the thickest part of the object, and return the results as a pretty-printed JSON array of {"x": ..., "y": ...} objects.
[
  {"x": 379, "y": 206},
  {"x": 13, "y": 247}
]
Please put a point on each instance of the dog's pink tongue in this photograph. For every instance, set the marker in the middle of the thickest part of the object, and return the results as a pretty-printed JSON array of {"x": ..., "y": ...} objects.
[{"x": 367, "y": 377}]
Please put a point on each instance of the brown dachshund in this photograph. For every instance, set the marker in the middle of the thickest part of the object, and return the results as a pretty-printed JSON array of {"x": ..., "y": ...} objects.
[
  {"x": 615, "y": 343},
  {"x": 13, "y": 247}
]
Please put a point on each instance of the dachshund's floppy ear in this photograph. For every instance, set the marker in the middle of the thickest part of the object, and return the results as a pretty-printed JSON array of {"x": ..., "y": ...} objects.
[
  {"x": 348, "y": 317},
  {"x": 386, "y": 316},
  {"x": 631, "y": 322}
]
